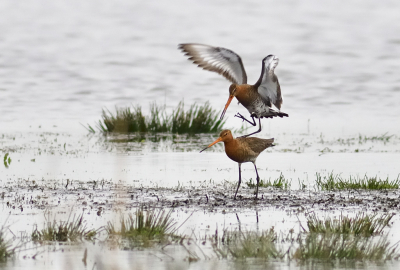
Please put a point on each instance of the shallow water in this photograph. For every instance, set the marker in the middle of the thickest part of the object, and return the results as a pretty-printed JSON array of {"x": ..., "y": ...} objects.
[
  {"x": 61, "y": 64},
  {"x": 53, "y": 175}
]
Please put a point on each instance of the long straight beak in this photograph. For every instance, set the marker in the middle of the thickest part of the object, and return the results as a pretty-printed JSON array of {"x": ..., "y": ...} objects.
[
  {"x": 226, "y": 106},
  {"x": 216, "y": 141}
]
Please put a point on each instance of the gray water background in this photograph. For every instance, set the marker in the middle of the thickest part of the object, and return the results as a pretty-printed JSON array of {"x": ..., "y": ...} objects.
[{"x": 62, "y": 62}]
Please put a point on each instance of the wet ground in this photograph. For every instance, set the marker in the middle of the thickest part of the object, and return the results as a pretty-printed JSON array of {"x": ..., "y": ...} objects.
[{"x": 106, "y": 176}]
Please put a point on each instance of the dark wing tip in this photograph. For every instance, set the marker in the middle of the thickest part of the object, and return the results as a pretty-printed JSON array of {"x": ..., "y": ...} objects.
[
  {"x": 181, "y": 46},
  {"x": 184, "y": 47}
]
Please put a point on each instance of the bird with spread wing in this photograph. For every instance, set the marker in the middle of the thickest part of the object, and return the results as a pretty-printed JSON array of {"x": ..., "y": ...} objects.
[{"x": 259, "y": 99}]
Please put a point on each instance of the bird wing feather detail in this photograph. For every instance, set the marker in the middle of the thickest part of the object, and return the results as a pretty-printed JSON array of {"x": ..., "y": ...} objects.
[
  {"x": 268, "y": 85},
  {"x": 257, "y": 145},
  {"x": 220, "y": 60}
]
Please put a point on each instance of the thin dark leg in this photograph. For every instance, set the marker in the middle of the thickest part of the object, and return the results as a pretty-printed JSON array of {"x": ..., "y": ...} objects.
[
  {"x": 240, "y": 180},
  {"x": 259, "y": 129},
  {"x": 258, "y": 180},
  {"x": 238, "y": 115}
]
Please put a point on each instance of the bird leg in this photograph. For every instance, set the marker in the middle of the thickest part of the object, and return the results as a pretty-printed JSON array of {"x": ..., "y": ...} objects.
[
  {"x": 240, "y": 180},
  {"x": 238, "y": 115},
  {"x": 258, "y": 180},
  {"x": 259, "y": 129}
]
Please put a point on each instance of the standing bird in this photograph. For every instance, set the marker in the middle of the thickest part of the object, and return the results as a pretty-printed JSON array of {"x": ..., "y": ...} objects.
[
  {"x": 242, "y": 150},
  {"x": 258, "y": 98}
]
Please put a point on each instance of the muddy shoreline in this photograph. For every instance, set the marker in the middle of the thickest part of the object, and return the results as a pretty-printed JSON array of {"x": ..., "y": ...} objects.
[{"x": 105, "y": 196}]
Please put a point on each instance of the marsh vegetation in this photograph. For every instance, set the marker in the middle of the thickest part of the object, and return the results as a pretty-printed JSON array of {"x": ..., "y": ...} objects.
[
  {"x": 346, "y": 238},
  {"x": 247, "y": 244},
  {"x": 361, "y": 224},
  {"x": 144, "y": 228},
  {"x": 62, "y": 231},
  {"x": 197, "y": 119},
  {"x": 281, "y": 182},
  {"x": 5, "y": 246},
  {"x": 356, "y": 238},
  {"x": 337, "y": 182}
]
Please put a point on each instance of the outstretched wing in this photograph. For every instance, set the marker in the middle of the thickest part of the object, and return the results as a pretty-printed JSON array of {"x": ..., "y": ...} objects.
[
  {"x": 268, "y": 84},
  {"x": 217, "y": 59}
]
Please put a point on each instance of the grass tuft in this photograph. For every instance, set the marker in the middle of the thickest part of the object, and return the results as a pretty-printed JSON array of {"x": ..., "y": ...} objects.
[
  {"x": 336, "y": 182},
  {"x": 249, "y": 244},
  {"x": 346, "y": 239},
  {"x": 362, "y": 224},
  {"x": 64, "y": 231},
  {"x": 144, "y": 226},
  {"x": 198, "y": 119},
  {"x": 281, "y": 182},
  {"x": 384, "y": 138},
  {"x": 5, "y": 247},
  {"x": 334, "y": 246}
]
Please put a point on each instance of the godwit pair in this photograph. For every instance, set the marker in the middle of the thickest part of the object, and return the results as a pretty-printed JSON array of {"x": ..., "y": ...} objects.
[{"x": 258, "y": 98}]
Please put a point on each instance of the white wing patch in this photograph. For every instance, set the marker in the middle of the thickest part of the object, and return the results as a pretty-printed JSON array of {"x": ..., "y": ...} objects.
[
  {"x": 217, "y": 59},
  {"x": 268, "y": 84}
]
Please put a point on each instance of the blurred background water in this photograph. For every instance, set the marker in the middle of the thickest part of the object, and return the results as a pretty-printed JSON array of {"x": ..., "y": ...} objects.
[{"x": 62, "y": 62}]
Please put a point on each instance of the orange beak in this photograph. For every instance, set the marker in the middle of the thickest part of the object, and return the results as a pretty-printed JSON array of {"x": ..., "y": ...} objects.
[
  {"x": 226, "y": 106},
  {"x": 216, "y": 141}
]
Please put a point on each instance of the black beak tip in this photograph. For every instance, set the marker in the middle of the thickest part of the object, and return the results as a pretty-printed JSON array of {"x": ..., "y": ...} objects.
[{"x": 203, "y": 149}]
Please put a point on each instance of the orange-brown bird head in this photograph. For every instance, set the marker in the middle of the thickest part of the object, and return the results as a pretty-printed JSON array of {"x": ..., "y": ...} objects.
[{"x": 224, "y": 136}]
